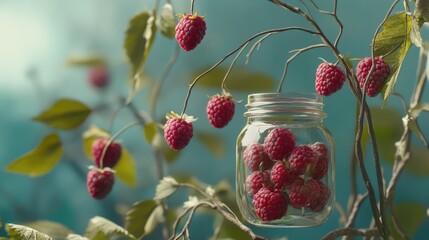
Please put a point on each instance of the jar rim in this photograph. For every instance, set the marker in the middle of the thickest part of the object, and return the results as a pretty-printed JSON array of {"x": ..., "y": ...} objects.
[{"x": 299, "y": 105}]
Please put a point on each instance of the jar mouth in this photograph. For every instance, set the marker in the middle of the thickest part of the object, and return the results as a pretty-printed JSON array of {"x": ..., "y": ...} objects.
[{"x": 290, "y": 104}]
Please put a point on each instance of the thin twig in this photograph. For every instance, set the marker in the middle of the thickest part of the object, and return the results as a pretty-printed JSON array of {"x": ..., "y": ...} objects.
[
  {"x": 355, "y": 209},
  {"x": 191, "y": 86},
  {"x": 297, "y": 53},
  {"x": 223, "y": 85},
  {"x": 372, "y": 232}
]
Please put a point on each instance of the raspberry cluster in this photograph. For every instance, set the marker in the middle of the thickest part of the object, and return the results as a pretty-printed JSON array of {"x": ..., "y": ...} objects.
[{"x": 283, "y": 174}]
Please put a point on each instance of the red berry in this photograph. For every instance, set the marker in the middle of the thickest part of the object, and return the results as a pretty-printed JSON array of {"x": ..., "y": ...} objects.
[
  {"x": 98, "y": 77},
  {"x": 269, "y": 205},
  {"x": 220, "y": 110},
  {"x": 319, "y": 201},
  {"x": 256, "y": 181},
  {"x": 378, "y": 77},
  {"x": 319, "y": 169},
  {"x": 178, "y": 131},
  {"x": 279, "y": 143},
  {"x": 190, "y": 31},
  {"x": 255, "y": 157},
  {"x": 99, "y": 182},
  {"x": 301, "y": 193},
  {"x": 111, "y": 156},
  {"x": 281, "y": 176},
  {"x": 329, "y": 79},
  {"x": 300, "y": 158}
]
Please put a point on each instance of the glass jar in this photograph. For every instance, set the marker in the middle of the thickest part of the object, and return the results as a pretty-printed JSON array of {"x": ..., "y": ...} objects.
[{"x": 285, "y": 158}]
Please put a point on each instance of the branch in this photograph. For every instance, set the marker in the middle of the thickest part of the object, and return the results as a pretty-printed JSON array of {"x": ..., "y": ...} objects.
[
  {"x": 355, "y": 209},
  {"x": 373, "y": 232}
]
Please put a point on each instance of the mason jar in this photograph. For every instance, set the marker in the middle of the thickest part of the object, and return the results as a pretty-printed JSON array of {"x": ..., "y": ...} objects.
[{"x": 285, "y": 161}]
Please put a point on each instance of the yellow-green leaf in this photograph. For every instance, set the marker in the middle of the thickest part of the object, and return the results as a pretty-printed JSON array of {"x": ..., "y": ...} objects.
[
  {"x": 394, "y": 39},
  {"x": 64, "y": 114},
  {"x": 102, "y": 228},
  {"x": 75, "y": 237},
  {"x": 418, "y": 164},
  {"x": 239, "y": 79},
  {"x": 214, "y": 143},
  {"x": 126, "y": 169},
  {"x": 19, "y": 232},
  {"x": 40, "y": 160},
  {"x": 53, "y": 229},
  {"x": 90, "y": 60},
  {"x": 138, "y": 215},
  {"x": 410, "y": 215},
  {"x": 138, "y": 42},
  {"x": 150, "y": 131}
]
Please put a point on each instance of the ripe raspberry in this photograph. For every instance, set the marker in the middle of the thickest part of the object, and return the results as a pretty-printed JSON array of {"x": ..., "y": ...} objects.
[
  {"x": 279, "y": 143},
  {"x": 319, "y": 168},
  {"x": 100, "y": 182},
  {"x": 178, "y": 131},
  {"x": 190, "y": 31},
  {"x": 255, "y": 157},
  {"x": 220, "y": 110},
  {"x": 269, "y": 205},
  {"x": 98, "y": 77},
  {"x": 281, "y": 176},
  {"x": 111, "y": 156},
  {"x": 301, "y": 193},
  {"x": 329, "y": 79},
  {"x": 300, "y": 158},
  {"x": 319, "y": 202},
  {"x": 378, "y": 77},
  {"x": 256, "y": 181}
]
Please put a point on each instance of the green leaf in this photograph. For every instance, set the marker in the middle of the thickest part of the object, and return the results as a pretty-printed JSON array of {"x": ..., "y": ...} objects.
[
  {"x": 138, "y": 215},
  {"x": 101, "y": 228},
  {"x": 55, "y": 230},
  {"x": 125, "y": 169},
  {"x": 40, "y": 160},
  {"x": 229, "y": 230},
  {"x": 150, "y": 131},
  {"x": 90, "y": 60},
  {"x": 410, "y": 216},
  {"x": 19, "y": 232},
  {"x": 387, "y": 123},
  {"x": 139, "y": 38},
  {"x": 394, "y": 39},
  {"x": 166, "y": 22},
  {"x": 214, "y": 143},
  {"x": 154, "y": 218},
  {"x": 239, "y": 79},
  {"x": 418, "y": 164},
  {"x": 75, "y": 237},
  {"x": 64, "y": 114},
  {"x": 1, "y": 222},
  {"x": 165, "y": 188}
]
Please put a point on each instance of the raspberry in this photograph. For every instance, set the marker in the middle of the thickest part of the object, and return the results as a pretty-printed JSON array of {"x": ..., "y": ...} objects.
[
  {"x": 255, "y": 157},
  {"x": 178, "y": 131},
  {"x": 281, "y": 176},
  {"x": 111, "y": 156},
  {"x": 100, "y": 182},
  {"x": 269, "y": 205},
  {"x": 220, "y": 110},
  {"x": 319, "y": 169},
  {"x": 319, "y": 202},
  {"x": 279, "y": 143},
  {"x": 300, "y": 158},
  {"x": 98, "y": 77},
  {"x": 190, "y": 31},
  {"x": 329, "y": 79},
  {"x": 301, "y": 193},
  {"x": 256, "y": 181},
  {"x": 378, "y": 77}
]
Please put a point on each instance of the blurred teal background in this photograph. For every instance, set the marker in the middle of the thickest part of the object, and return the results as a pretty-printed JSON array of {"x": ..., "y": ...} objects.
[{"x": 37, "y": 37}]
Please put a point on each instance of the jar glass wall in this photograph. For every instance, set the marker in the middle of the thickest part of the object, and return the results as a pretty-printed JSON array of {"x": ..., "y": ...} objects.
[{"x": 285, "y": 161}]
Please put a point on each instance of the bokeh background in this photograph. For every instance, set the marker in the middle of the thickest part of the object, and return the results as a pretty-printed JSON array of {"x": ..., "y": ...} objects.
[{"x": 37, "y": 38}]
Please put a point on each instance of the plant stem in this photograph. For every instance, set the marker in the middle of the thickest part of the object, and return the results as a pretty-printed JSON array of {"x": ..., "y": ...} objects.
[{"x": 373, "y": 232}]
